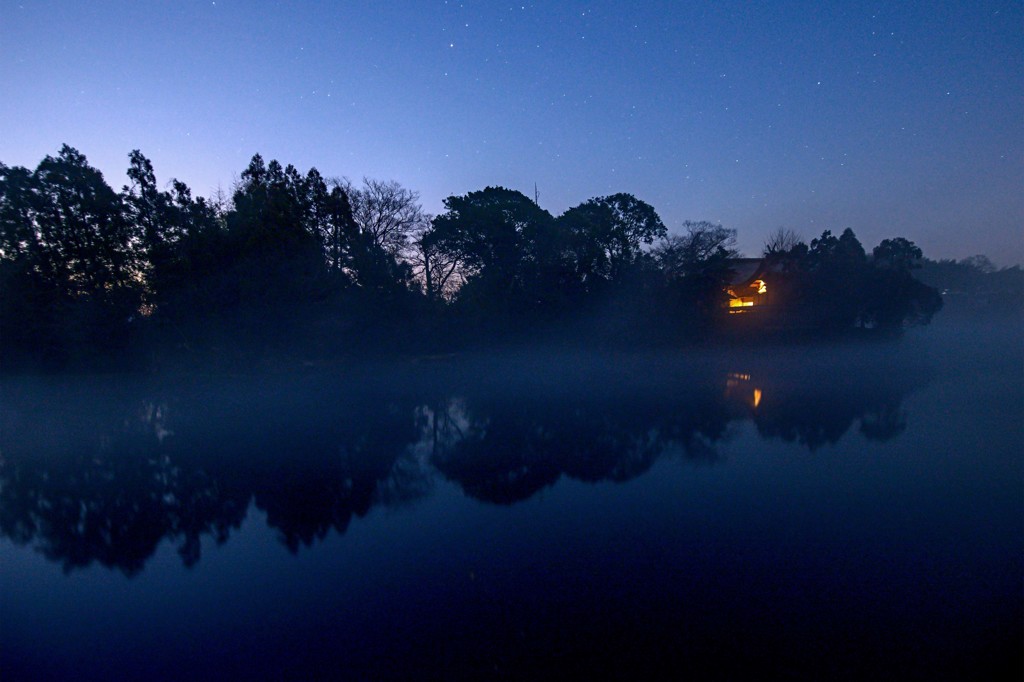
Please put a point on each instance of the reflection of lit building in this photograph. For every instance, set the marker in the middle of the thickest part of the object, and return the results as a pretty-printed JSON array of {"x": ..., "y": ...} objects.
[
  {"x": 739, "y": 388},
  {"x": 748, "y": 288}
]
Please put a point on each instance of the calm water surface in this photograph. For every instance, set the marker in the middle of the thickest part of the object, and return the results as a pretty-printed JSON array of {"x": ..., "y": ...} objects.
[{"x": 822, "y": 512}]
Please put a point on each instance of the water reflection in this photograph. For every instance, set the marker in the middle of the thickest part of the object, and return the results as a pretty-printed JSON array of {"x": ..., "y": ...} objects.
[{"x": 104, "y": 471}]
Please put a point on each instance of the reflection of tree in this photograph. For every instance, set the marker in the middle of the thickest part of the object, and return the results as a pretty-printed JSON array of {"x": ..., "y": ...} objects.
[
  {"x": 90, "y": 473},
  {"x": 106, "y": 493},
  {"x": 502, "y": 458},
  {"x": 105, "y": 481},
  {"x": 817, "y": 403},
  {"x": 503, "y": 446},
  {"x": 815, "y": 418},
  {"x": 310, "y": 455},
  {"x": 333, "y": 471},
  {"x": 509, "y": 447},
  {"x": 507, "y": 459},
  {"x": 884, "y": 422}
]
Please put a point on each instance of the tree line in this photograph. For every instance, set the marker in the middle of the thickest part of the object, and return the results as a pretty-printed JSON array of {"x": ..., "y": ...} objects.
[{"x": 301, "y": 264}]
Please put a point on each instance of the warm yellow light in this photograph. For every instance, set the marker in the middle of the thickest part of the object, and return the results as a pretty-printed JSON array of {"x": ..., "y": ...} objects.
[
  {"x": 762, "y": 288},
  {"x": 734, "y": 379},
  {"x": 740, "y": 303},
  {"x": 757, "y": 397}
]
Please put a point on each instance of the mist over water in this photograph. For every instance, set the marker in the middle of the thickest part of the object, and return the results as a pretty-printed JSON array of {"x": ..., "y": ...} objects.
[{"x": 838, "y": 510}]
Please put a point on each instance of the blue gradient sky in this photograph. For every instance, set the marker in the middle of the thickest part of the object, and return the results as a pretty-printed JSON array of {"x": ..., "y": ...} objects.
[{"x": 890, "y": 118}]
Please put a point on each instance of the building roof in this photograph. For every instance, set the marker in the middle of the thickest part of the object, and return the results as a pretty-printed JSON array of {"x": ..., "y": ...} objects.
[{"x": 745, "y": 270}]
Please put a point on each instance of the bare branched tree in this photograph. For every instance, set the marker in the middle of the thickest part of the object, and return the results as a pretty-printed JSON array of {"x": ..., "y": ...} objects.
[
  {"x": 780, "y": 240},
  {"x": 440, "y": 274},
  {"x": 388, "y": 212},
  {"x": 689, "y": 253},
  {"x": 980, "y": 263}
]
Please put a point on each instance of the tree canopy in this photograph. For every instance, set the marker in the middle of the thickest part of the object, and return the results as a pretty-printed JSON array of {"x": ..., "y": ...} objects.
[
  {"x": 606, "y": 234},
  {"x": 295, "y": 261}
]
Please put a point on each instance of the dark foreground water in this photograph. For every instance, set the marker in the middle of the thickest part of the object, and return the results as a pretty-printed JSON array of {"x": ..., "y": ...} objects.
[{"x": 852, "y": 511}]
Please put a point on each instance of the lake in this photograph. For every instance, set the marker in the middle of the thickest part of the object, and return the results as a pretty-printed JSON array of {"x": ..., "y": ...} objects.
[{"x": 830, "y": 511}]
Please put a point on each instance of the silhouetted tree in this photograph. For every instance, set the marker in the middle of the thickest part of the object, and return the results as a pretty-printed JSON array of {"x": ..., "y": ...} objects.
[
  {"x": 389, "y": 213},
  {"x": 606, "y": 233},
  {"x": 833, "y": 285},
  {"x": 84, "y": 269},
  {"x": 441, "y": 272},
  {"x": 838, "y": 275},
  {"x": 88, "y": 241},
  {"x": 30, "y": 294},
  {"x": 980, "y": 263},
  {"x": 696, "y": 266},
  {"x": 164, "y": 223},
  {"x": 512, "y": 253},
  {"x": 146, "y": 207},
  {"x": 974, "y": 282},
  {"x": 68, "y": 253},
  {"x": 702, "y": 248},
  {"x": 497, "y": 232},
  {"x": 241, "y": 274},
  {"x": 19, "y": 240},
  {"x": 897, "y": 254},
  {"x": 779, "y": 241},
  {"x": 894, "y": 298}
]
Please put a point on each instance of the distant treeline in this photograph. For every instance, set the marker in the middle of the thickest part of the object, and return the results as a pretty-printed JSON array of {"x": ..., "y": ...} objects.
[
  {"x": 975, "y": 283},
  {"x": 315, "y": 268}
]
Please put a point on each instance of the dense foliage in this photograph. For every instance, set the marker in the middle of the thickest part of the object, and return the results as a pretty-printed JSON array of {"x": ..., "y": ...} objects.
[{"x": 296, "y": 263}]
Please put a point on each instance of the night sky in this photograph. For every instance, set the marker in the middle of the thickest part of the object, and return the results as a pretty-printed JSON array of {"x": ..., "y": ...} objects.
[{"x": 891, "y": 118}]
